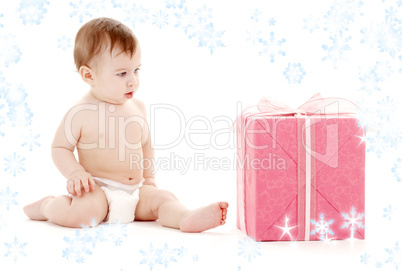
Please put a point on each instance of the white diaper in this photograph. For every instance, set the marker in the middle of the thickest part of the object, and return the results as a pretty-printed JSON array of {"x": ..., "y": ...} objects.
[{"x": 122, "y": 200}]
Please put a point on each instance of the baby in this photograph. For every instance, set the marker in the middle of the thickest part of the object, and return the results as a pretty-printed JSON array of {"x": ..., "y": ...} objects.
[{"x": 104, "y": 185}]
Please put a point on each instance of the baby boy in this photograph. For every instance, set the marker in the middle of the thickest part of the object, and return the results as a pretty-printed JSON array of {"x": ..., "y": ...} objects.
[{"x": 107, "y": 126}]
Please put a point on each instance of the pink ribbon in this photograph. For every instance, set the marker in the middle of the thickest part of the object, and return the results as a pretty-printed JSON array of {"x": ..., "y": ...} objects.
[{"x": 316, "y": 105}]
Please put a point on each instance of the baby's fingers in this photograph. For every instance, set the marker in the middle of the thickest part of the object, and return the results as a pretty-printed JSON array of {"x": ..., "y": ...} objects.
[
  {"x": 70, "y": 188},
  {"x": 91, "y": 183},
  {"x": 85, "y": 185},
  {"x": 77, "y": 187}
]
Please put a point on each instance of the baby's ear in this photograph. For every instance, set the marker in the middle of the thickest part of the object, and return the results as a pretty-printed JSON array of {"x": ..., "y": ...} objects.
[{"x": 87, "y": 74}]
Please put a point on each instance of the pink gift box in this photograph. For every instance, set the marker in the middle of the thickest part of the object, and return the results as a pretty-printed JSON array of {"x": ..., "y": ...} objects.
[{"x": 301, "y": 176}]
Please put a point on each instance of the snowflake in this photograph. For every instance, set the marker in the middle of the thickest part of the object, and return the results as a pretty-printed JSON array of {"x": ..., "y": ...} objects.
[
  {"x": 160, "y": 19},
  {"x": 81, "y": 10},
  {"x": 151, "y": 257},
  {"x": 77, "y": 247},
  {"x": 272, "y": 47},
  {"x": 14, "y": 164},
  {"x": 7, "y": 198},
  {"x": 249, "y": 248},
  {"x": 353, "y": 220},
  {"x": 336, "y": 50},
  {"x": 15, "y": 249},
  {"x": 210, "y": 38},
  {"x": 175, "y": 3},
  {"x": 388, "y": 212},
  {"x": 311, "y": 24},
  {"x": 397, "y": 170},
  {"x": 64, "y": 43},
  {"x": 376, "y": 144},
  {"x": 31, "y": 12},
  {"x": 394, "y": 256},
  {"x": 254, "y": 35},
  {"x": 340, "y": 15},
  {"x": 188, "y": 22},
  {"x": 31, "y": 140},
  {"x": 322, "y": 227},
  {"x": 20, "y": 115},
  {"x": 15, "y": 96},
  {"x": 136, "y": 14},
  {"x": 89, "y": 237},
  {"x": 256, "y": 15},
  {"x": 294, "y": 73},
  {"x": 364, "y": 258},
  {"x": 390, "y": 39},
  {"x": 272, "y": 21},
  {"x": 387, "y": 108},
  {"x": 162, "y": 256},
  {"x": 204, "y": 14},
  {"x": 9, "y": 50}
]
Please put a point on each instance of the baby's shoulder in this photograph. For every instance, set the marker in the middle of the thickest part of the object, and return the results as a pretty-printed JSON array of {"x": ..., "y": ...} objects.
[{"x": 139, "y": 105}]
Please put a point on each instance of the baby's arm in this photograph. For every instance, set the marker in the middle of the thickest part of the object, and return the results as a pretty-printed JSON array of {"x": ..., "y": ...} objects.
[
  {"x": 147, "y": 150},
  {"x": 63, "y": 146}
]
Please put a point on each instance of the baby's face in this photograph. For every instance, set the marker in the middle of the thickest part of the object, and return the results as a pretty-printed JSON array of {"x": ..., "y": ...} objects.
[{"x": 116, "y": 77}]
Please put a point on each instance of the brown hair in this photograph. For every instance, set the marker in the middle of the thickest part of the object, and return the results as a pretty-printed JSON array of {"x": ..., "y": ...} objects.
[{"x": 97, "y": 34}]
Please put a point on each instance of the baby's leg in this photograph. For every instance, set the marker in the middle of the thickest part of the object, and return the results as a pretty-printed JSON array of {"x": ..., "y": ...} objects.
[
  {"x": 161, "y": 204},
  {"x": 70, "y": 212}
]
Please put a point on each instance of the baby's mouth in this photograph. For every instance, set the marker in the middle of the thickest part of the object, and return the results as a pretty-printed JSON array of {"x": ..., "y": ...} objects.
[{"x": 129, "y": 95}]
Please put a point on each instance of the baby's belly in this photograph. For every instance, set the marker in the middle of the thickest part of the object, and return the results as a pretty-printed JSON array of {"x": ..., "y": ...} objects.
[{"x": 111, "y": 164}]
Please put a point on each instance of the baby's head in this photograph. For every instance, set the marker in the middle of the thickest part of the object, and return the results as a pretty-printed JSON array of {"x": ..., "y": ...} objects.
[{"x": 101, "y": 34}]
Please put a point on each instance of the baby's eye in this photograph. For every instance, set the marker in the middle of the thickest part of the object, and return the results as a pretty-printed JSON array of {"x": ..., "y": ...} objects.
[
  {"x": 122, "y": 74},
  {"x": 137, "y": 70}
]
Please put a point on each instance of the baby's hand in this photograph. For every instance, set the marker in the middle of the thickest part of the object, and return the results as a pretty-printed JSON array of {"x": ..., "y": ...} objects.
[{"x": 77, "y": 179}]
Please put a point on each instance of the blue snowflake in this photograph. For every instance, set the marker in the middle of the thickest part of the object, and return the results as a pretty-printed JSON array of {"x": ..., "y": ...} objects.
[
  {"x": 7, "y": 198},
  {"x": 175, "y": 3},
  {"x": 204, "y": 15},
  {"x": 311, "y": 24},
  {"x": 64, "y": 43},
  {"x": 335, "y": 51},
  {"x": 272, "y": 21},
  {"x": 77, "y": 247},
  {"x": 81, "y": 10},
  {"x": 397, "y": 170},
  {"x": 160, "y": 19},
  {"x": 388, "y": 212},
  {"x": 1, "y": 16},
  {"x": 162, "y": 256},
  {"x": 31, "y": 140},
  {"x": 249, "y": 248},
  {"x": 272, "y": 47},
  {"x": 136, "y": 14},
  {"x": 14, "y": 164},
  {"x": 394, "y": 256},
  {"x": 387, "y": 108},
  {"x": 15, "y": 249},
  {"x": 353, "y": 220},
  {"x": 9, "y": 50},
  {"x": 15, "y": 96},
  {"x": 210, "y": 38},
  {"x": 188, "y": 22},
  {"x": 89, "y": 237},
  {"x": 256, "y": 15},
  {"x": 20, "y": 115},
  {"x": 390, "y": 35},
  {"x": 376, "y": 144},
  {"x": 294, "y": 73},
  {"x": 364, "y": 258},
  {"x": 322, "y": 227},
  {"x": 32, "y": 12}
]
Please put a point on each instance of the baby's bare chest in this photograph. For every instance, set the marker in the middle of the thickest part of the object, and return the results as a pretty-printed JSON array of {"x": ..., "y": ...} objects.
[{"x": 109, "y": 127}]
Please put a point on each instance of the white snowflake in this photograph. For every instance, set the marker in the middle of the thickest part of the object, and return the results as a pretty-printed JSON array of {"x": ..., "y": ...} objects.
[
  {"x": 335, "y": 51},
  {"x": 77, "y": 247},
  {"x": 353, "y": 220},
  {"x": 81, "y": 9},
  {"x": 20, "y": 115},
  {"x": 15, "y": 249},
  {"x": 162, "y": 256},
  {"x": 14, "y": 164},
  {"x": 136, "y": 14},
  {"x": 210, "y": 38},
  {"x": 249, "y": 248},
  {"x": 15, "y": 95},
  {"x": 322, "y": 227}
]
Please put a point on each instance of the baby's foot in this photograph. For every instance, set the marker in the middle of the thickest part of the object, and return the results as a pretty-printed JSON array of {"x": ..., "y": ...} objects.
[
  {"x": 205, "y": 218},
  {"x": 33, "y": 210}
]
